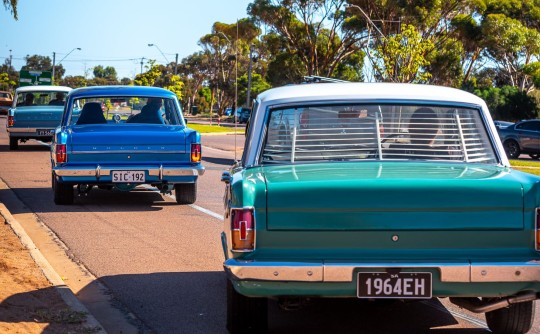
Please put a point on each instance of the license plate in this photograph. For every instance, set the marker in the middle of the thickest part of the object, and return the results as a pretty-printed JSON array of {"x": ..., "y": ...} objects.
[
  {"x": 45, "y": 132},
  {"x": 128, "y": 176},
  {"x": 396, "y": 285}
]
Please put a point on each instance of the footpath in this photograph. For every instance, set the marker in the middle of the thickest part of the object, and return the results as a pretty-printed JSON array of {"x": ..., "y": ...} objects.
[{"x": 33, "y": 297}]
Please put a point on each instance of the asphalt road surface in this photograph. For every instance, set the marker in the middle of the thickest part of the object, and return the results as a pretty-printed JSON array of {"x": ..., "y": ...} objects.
[{"x": 162, "y": 262}]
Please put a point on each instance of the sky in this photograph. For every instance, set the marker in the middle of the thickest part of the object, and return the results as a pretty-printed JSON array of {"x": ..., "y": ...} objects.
[{"x": 111, "y": 32}]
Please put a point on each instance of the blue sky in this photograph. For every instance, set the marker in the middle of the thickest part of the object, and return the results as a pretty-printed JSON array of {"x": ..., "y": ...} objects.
[{"x": 111, "y": 32}]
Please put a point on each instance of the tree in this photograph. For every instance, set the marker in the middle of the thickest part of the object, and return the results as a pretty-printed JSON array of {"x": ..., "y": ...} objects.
[
  {"x": 108, "y": 73},
  {"x": 404, "y": 56},
  {"x": 13, "y": 75},
  {"x": 176, "y": 86},
  {"x": 149, "y": 77},
  {"x": 5, "y": 82},
  {"x": 74, "y": 81},
  {"x": 313, "y": 33},
  {"x": 11, "y": 6}
]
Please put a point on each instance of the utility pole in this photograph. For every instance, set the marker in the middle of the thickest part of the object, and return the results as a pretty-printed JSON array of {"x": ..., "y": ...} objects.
[
  {"x": 53, "y": 65},
  {"x": 142, "y": 61},
  {"x": 176, "y": 65},
  {"x": 248, "y": 98},
  {"x": 10, "y": 59}
]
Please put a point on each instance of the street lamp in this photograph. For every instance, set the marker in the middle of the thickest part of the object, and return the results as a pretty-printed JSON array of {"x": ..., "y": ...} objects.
[
  {"x": 167, "y": 60},
  {"x": 54, "y": 58}
]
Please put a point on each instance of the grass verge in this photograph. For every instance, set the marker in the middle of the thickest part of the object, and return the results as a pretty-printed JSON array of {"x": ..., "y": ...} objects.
[
  {"x": 205, "y": 128},
  {"x": 527, "y": 166}
]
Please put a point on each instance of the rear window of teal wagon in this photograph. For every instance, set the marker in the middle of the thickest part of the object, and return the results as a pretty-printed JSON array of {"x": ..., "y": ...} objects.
[
  {"x": 376, "y": 132},
  {"x": 124, "y": 111}
]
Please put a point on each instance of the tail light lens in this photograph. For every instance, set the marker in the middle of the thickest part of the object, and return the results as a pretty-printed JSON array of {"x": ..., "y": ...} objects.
[
  {"x": 243, "y": 230},
  {"x": 537, "y": 231},
  {"x": 195, "y": 152},
  {"x": 10, "y": 121},
  {"x": 61, "y": 153}
]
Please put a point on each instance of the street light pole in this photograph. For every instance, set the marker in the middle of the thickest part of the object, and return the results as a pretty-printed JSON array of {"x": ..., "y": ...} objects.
[
  {"x": 248, "y": 98},
  {"x": 54, "y": 57},
  {"x": 176, "y": 65},
  {"x": 167, "y": 60}
]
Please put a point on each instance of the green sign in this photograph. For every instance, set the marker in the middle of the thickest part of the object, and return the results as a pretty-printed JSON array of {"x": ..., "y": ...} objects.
[{"x": 34, "y": 78}]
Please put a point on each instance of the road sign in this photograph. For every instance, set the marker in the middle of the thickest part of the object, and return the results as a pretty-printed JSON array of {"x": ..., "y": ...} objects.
[{"x": 34, "y": 78}]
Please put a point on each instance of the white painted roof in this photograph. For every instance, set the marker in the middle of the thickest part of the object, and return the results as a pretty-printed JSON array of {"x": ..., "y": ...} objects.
[
  {"x": 43, "y": 89},
  {"x": 350, "y": 90}
]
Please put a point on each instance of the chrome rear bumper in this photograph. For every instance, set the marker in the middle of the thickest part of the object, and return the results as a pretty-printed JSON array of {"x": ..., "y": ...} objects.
[
  {"x": 99, "y": 171},
  {"x": 463, "y": 272}
]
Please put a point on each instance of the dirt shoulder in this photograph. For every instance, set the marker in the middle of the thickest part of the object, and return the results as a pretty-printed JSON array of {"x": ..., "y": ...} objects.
[{"x": 28, "y": 301}]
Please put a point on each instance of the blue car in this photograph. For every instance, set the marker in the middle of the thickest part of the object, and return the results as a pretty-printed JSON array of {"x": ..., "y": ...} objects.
[
  {"x": 121, "y": 137},
  {"x": 36, "y": 112}
]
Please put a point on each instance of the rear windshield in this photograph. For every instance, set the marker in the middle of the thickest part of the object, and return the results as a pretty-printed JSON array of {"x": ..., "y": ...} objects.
[
  {"x": 376, "y": 132},
  {"x": 125, "y": 111},
  {"x": 37, "y": 98}
]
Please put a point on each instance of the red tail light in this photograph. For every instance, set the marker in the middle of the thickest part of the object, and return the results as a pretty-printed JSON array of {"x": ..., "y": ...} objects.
[
  {"x": 10, "y": 121},
  {"x": 195, "y": 152},
  {"x": 61, "y": 153},
  {"x": 537, "y": 232},
  {"x": 243, "y": 230}
]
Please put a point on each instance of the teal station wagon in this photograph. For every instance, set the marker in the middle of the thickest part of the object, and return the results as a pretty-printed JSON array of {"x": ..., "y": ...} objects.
[
  {"x": 379, "y": 191},
  {"x": 36, "y": 112}
]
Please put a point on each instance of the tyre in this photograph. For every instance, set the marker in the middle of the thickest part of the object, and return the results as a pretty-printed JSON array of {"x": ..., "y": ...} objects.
[
  {"x": 185, "y": 193},
  {"x": 535, "y": 156},
  {"x": 13, "y": 144},
  {"x": 514, "y": 319},
  {"x": 511, "y": 147},
  {"x": 245, "y": 314},
  {"x": 63, "y": 193}
]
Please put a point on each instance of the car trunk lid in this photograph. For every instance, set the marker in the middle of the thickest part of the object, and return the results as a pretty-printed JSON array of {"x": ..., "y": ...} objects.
[{"x": 393, "y": 196}]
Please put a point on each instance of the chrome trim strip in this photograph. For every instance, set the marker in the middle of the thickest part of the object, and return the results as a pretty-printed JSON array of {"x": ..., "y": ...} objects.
[
  {"x": 17, "y": 130},
  {"x": 100, "y": 171},
  {"x": 128, "y": 152},
  {"x": 463, "y": 272}
]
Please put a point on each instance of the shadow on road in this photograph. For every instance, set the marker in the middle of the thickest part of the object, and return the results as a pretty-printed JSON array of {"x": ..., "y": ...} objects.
[
  {"x": 28, "y": 147},
  {"x": 138, "y": 200}
]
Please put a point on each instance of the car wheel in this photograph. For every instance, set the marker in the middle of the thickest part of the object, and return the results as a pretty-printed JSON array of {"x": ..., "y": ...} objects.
[
  {"x": 514, "y": 319},
  {"x": 185, "y": 193},
  {"x": 63, "y": 193},
  {"x": 245, "y": 314},
  {"x": 512, "y": 149},
  {"x": 13, "y": 144},
  {"x": 535, "y": 156}
]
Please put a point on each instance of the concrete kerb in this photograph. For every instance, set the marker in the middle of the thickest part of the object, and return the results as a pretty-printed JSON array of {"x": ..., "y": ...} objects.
[{"x": 67, "y": 295}]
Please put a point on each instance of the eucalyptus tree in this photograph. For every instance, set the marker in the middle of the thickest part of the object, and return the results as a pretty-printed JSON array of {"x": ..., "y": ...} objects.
[
  {"x": 308, "y": 37},
  {"x": 11, "y": 6}
]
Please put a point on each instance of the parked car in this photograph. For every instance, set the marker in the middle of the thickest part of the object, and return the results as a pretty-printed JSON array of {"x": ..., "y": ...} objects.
[
  {"x": 502, "y": 124},
  {"x": 521, "y": 138},
  {"x": 36, "y": 112},
  {"x": 227, "y": 112},
  {"x": 243, "y": 114},
  {"x": 6, "y": 100},
  {"x": 143, "y": 140},
  {"x": 379, "y": 192}
]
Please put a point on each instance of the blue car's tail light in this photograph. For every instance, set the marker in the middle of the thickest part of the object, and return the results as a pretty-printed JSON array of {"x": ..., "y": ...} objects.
[
  {"x": 61, "y": 153},
  {"x": 10, "y": 121},
  {"x": 537, "y": 232},
  {"x": 195, "y": 152}
]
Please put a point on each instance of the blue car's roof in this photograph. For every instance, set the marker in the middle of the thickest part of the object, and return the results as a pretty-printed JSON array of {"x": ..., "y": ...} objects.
[{"x": 120, "y": 91}]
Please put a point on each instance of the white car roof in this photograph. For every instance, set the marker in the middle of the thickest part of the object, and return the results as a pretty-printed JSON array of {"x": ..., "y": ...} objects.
[
  {"x": 43, "y": 89},
  {"x": 351, "y": 90}
]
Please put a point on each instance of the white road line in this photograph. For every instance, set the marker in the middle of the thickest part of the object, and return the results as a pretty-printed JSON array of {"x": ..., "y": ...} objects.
[
  {"x": 459, "y": 315},
  {"x": 196, "y": 207}
]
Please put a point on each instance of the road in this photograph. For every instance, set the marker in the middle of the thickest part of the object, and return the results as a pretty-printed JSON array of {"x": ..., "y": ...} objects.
[{"x": 162, "y": 262}]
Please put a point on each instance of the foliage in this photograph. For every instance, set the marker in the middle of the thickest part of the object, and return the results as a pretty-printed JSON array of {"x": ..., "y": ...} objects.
[
  {"x": 11, "y": 5},
  {"x": 509, "y": 103},
  {"x": 108, "y": 72},
  {"x": 176, "y": 86},
  {"x": 5, "y": 82},
  {"x": 74, "y": 81},
  {"x": 149, "y": 77},
  {"x": 258, "y": 85},
  {"x": 403, "y": 56}
]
